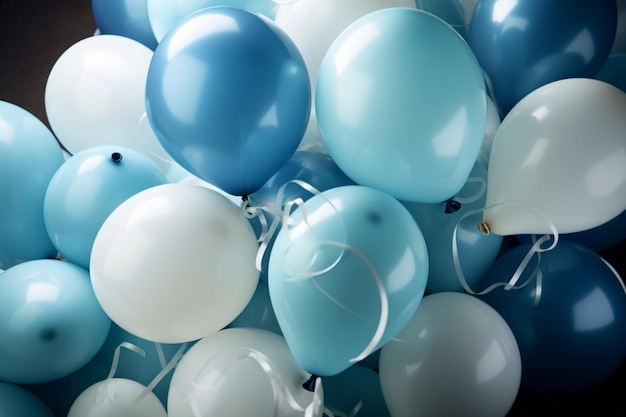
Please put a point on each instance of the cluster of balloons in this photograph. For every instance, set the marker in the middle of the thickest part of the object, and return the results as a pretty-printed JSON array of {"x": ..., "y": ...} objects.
[{"x": 293, "y": 208}]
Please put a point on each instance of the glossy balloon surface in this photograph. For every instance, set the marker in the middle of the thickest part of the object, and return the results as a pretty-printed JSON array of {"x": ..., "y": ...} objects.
[{"x": 127, "y": 18}]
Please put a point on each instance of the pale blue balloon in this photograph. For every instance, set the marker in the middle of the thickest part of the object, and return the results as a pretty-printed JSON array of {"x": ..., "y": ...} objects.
[
  {"x": 86, "y": 189},
  {"x": 16, "y": 401},
  {"x": 348, "y": 252},
  {"x": 476, "y": 252},
  {"x": 50, "y": 321},
  {"x": 29, "y": 157},
  {"x": 401, "y": 104}
]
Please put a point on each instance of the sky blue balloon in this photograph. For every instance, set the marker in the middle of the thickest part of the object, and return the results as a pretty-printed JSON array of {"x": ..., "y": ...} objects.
[
  {"x": 614, "y": 71},
  {"x": 357, "y": 386},
  {"x": 476, "y": 251},
  {"x": 86, "y": 189},
  {"x": 29, "y": 157},
  {"x": 16, "y": 401},
  {"x": 228, "y": 97},
  {"x": 127, "y": 18},
  {"x": 401, "y": 104},
  {"x": 259, "y": 312},
  {"x": 523, "y": 45},
  {"x": 350, "y": 251},
  {"x": 575, "y": 337},
  {"x": 50, "y": 321}
]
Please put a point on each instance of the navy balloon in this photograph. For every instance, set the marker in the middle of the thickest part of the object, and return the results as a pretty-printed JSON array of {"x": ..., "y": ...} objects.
[
  {"x": 614, "y": 71},
  {"x": 228, "y": 96},
  {"x": 127, "y": 18},
  {"x": 523, "y": 45},
  {"x": 575, "y": 336}
]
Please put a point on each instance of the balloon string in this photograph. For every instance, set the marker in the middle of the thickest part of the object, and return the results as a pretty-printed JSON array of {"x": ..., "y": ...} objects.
[
  {"x": 103, "y": 391},
  {"x": 333, "y": 412},
  {"x": 160, "y": 354},
  {"x": 280, "y": 390},
  {"x": 477, "y": 195},
  {"x": 166, "y": 369},
  {"x": 511, "y": 284}
]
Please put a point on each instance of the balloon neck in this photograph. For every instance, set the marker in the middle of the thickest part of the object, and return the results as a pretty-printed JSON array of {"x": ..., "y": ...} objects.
[
  {"x": 483, "y": 228},
  {"x": 452, "y": 206},
  {"x": 309, "y": 384},
  {"x": 116, "y": 157}
]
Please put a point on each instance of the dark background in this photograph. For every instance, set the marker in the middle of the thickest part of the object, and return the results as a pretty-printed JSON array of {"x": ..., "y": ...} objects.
[{"x": 34, "y": 33}]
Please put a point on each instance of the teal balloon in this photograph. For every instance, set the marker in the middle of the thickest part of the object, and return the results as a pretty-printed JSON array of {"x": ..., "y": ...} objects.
[
  {"x": 86, "y": 189},
  {"x": 259, "y": 312},
  {"x": 16, "y": 401},
  {"x": 29, "y": 157},
  {"x": 401, "y": 105},
  {"x": 346, "y": 276},
  {"x": 50, "y": 321},
  {"x": 476, "y": 252},
  {"x": 356, "y": 388}
]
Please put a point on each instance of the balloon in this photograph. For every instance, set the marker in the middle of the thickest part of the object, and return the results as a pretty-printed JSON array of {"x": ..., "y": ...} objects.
[
  {"x": 619, "y": 43},
  {"x": 127, "y": 18},
  {"x": 312, "y": 140},
  {"x": 165, "y": 14},
  {"x": 614, "y": 71},
  {"x": 346, "y": 276},
  {"x": 174, "y": 263},
  {"x": 559, "y": 160},
  {"x": 117, "y": 397},
  {"x": 16, "y": 401},
  {"x": 95, "y": 95},
  {"x": 259, "y": 312},
  {"x": 493, "y": 123},
  {"x": 456, "y": 357},
  {"x": 395, "y": 112},
  {"x": 29, "y": 157},
  {"x": 228, "y": 97},
  {"x": 475, "y": 251},
  {"x": 456, "y": 13},
  {"x": 356, "y": 388},
  {"x": 50, "y": 322},
  {"x": 240, "y": 372},
  {"x": 86, "y": 189},
  {"x": 574, "y": 337},
  {"x": 523, "y": 45}
]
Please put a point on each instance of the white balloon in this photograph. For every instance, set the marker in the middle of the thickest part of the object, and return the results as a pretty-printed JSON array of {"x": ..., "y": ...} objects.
[
  {"x": 174, "y": 263},
  {"x": 95, "y": 95},
  {"x": 117, "y": 397},
  {"x": 241, "y": 372},
  {"x": 456, "y": 357},
  {"x": 493, "y": 123},
  {"x": 558, "y": 160}
]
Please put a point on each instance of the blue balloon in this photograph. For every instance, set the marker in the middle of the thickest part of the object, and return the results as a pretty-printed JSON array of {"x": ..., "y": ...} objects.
[
  {"x": 50, "y": 321},
  {"x": 476, "y": 251},
  {"x": 29, "y": 157},
  {"x": 127, "y": 18},
  {"x": 86, "y": 189},
  {"x": 259, "y": 313},
  {"x": 614, "y": 71},
  {"x": 346, "y": 276},
  {"x": 356, "y": 388},
  {"x": 16, "y": 401},
  {"x": 228, "y": 97},
  {"x": 523, "y": 45},
  {"x": 575, "y": 337},
  {"x": 401, "y": 104},
  {"x": 456, "y": 13}
]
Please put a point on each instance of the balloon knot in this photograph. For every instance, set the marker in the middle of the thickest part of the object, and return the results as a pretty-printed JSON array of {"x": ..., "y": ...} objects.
[
  {"x": 483, "y": 228},
  {"x": 309, "y": 384},
  {"x": 116, "y": 157},
  {"x": 452, "y": 206}
]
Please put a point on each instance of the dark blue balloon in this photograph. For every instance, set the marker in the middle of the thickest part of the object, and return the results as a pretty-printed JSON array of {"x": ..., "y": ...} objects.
[
  {"x": 614, "y": 71},
  {"x": 523, "y": 45},
  {"x": 575, "y": 337},
  {"x": 228, "y": 97},
  {"x": 127, "y": 18}
]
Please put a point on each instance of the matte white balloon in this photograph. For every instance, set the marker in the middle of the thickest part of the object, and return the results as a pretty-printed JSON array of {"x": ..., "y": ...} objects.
[
  {"x": 559, "y": 160},
  {"x": 174, "y": 263},
  {"x": 240, "y": 372},
  {"x": 456, "y": 357}
]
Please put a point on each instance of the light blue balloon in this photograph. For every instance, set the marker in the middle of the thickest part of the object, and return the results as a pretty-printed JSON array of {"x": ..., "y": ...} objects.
[
  {"x": 476, "y": 251},
  {"x": 29, "y": 157},
  {"x": 348, "y": 252},
  {"x": 16, "y": 401},
  {"x": 127, "y": 18},
  {"x": 165, "y": 14},
  {"x": 357, "y": 388},
  {"x": 259, "y": 312},
  {"x": 86, "y": 189},
  {"x": 50, "y": 321},
  {"x": 401, "y": 104}
]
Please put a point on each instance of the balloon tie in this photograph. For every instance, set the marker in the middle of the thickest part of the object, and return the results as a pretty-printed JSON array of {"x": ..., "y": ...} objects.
[
  {"x": 281, "y": 392},
  {"x": 535, "y": 249}
]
